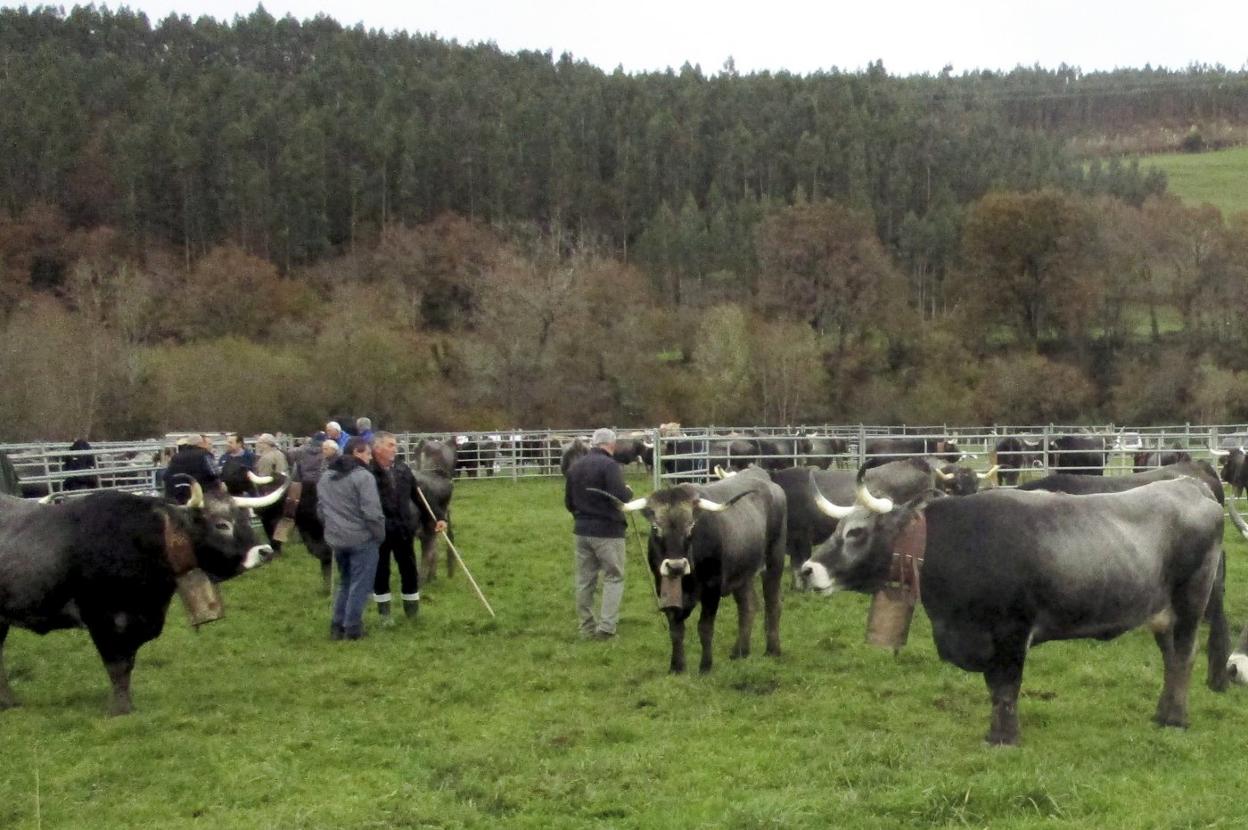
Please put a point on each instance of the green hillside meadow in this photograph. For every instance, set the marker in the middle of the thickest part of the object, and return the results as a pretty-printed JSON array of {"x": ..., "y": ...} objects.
[
  {"x": 259, "y": 721},
  {"x": 1219, "y": 178}
]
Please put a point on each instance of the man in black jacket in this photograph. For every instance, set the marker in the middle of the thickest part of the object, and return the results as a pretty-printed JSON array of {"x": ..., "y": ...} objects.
[
  {"x": 193, "y": 458},
  {"x": 598, "y": 527},
  {"x": 397, "y": 486}
]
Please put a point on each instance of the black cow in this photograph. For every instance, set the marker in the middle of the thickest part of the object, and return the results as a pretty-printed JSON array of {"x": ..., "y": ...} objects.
[
  {"x": 1219, "y": 627},
  {"x": 571, "y": 451},
  {"x": 714, "y": 538},
  {"x": 960, "y": 481},
  {"x": 898, "y": 448},
  {"x": 1014, "y": 453},
  {"x": 632, "y": 448},
  {"x": 1005, "y": 570},
  {"x": 808, "y": 525},
  {"x": 683, "y": 458},
  {"x": 1151, "y": 459},
  {"x": 1079, "y": 454},
  {"x": 109, "y": 563},
  {"x": 77, "y": 463},
  {"x": 819, "y": 451},
  {"x": 476, "y": 457},
  {"x": 1234, "y": 470}
]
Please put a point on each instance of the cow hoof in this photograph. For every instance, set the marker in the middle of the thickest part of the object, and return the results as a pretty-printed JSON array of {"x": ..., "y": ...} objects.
[
  {"x": 737, "y": 654},
  {"x": 120, "y": 708},
  {"x": 1171, "y": 720},
  {"x": 1001, "y": 739},
  {"x": 1218, "y": 682},
  {"x": 8, "y": 703},
  {"x": 705, "y": 668}
]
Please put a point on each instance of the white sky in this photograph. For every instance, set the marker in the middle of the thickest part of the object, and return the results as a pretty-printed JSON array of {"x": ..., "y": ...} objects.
[{"x": 910, "y": 36}]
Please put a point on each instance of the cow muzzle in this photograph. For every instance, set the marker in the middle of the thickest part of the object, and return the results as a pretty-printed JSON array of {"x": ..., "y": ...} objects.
[
  {"x": 1237, "y": 668},
  {"x": 675, "y": 568},
  {"x": 257, "y": 556},
  {"x": 817, "y": 578}
]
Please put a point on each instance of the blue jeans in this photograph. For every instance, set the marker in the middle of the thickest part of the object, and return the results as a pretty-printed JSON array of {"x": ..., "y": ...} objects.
[{"x": 356, "y": 568}]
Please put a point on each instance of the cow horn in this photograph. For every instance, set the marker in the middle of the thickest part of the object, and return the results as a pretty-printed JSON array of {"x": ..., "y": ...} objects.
[
  {"x": 1219, "y": 453},
  {"x": 257, "y": 502},
  {"x": 875, "y": 505},
  {"x": 988, "y": 474},
  {"x": 945, "y": 476},
  {"x": 625, "y": 506},
  {"x": 828, "y": 507},
  {"x": 255, "y": 479},
  {"x": 197, "y": 495},
  {"x": 1236, "y": 518},
  {"x": 711, "y": 506},
  {"x": 721, "y": 473}
]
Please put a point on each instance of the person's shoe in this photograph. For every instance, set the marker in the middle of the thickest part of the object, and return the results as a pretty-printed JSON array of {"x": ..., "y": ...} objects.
[
  {"x": 383, "y": 611},
  {"x": 337, "y": 632},
  {"x": 411, "y": 607},
  {"x": 354, "y": 634},
  {"x": 603, "y": 635}
]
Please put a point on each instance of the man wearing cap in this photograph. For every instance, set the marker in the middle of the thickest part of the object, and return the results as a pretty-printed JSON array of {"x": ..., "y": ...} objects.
[{"x": 598, "y": 528}]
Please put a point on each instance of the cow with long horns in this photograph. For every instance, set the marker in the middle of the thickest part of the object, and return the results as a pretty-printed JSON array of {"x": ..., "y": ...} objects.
[
  {"x": 1004, "y": 570},
  {"x": 110, "y": 563},
  {"x": 708, "y": 541}
]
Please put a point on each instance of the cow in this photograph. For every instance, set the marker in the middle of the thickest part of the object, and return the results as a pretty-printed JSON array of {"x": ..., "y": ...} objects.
[
  {"x": 476, "y": 457},
  {"x": 896, "y": 448},
  {"x": 631, "y": 449},
  {"x": 438, "y": 489},
  {"x": 436, "y": 456},
  {"x": 1237, "y": 665},
  {"x": 1234, "y": 469},
  {"x": 76, "y": 462},
  {"x": 713, "y": 539},
  {"x": 1079, "y": 454},
  {"x": 1151, "y": 459},
  {"x": 1015, "y": 453},
  {"x": 1004, "y": 570},
  {"x": 808, "y": 526},
  {"x": 960, "y": 481},
  {"x": 109, "y": 562},
  {"x": 570, "y": 453},
  {"x": 820, "y": 451},
  {"x": 1215, "y": 614}
]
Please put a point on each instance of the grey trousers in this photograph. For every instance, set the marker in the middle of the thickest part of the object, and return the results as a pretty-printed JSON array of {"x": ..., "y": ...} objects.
[{"x": 594, "y": 554}]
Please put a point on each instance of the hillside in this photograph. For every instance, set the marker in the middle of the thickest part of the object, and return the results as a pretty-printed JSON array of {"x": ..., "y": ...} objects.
[{"x": 1219, "y": 178}]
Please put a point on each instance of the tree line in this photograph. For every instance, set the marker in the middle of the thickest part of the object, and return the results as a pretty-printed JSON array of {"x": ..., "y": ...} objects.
[{"x": 252, "y": 225}]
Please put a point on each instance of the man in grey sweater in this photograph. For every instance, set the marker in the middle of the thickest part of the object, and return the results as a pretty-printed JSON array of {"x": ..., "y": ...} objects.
[{"x": 350, "y": 509}]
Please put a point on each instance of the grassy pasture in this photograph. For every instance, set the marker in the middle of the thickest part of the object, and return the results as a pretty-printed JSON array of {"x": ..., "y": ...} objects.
[
  {"x": 1219, "y": 178},
  {"x": 259, "y": 721}
]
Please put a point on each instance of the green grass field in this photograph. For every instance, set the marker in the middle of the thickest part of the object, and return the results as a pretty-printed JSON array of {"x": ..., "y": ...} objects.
[
  {"x": 1219, "y": 178},
  {"x": 259, "y": 721}
]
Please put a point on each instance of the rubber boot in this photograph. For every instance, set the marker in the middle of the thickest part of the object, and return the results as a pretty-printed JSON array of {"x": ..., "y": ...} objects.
[
  {"x": 383, "y": 611},
  {"x": 411, "y": 607}
]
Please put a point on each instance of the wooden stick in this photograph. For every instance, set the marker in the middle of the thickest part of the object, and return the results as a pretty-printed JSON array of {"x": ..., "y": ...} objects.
[{"x": 458, "y": 558}]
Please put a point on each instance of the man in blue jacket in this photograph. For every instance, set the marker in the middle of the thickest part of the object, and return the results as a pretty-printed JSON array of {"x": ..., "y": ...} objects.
[{"x": 598, "y": 527}]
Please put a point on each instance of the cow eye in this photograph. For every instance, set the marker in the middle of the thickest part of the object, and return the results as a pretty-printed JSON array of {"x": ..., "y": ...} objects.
[
  {"x": 224, "y": 525},
  {"x": 855, "y": 534}
]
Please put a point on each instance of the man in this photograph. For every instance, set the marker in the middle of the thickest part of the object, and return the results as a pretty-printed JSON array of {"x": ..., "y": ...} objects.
[
  {"x": 598, "y": 527},
  {"x": 193, "y": 457},
  {"x": 235, "y": 463},
  {"x": 348, "y": 507},
  {"x": 271, "y": 461},
  {"x": 399, "y": 499},
  {"x": 364, "y": 429},
  {"x": 333, "y": 430}
]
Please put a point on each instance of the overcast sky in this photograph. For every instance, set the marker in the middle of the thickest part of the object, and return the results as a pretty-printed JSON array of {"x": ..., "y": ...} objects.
[{"x": 801, "y": 37}]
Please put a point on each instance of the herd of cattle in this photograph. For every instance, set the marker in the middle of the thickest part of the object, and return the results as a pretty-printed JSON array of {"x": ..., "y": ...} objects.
[{"x": 1070, "y": 555}]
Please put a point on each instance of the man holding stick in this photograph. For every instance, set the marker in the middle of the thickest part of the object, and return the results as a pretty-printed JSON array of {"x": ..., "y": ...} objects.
[{"x": 599, "y": 529}]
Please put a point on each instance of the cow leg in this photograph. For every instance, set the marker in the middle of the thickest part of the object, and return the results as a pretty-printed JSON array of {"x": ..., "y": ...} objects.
[
  {"x": 118, "y": 657},
  {"x": 1004, "y": 678},
  {"x": 747, "y": 602},
  {"x": 706, "y": 627},
  {"x": 1178, "y": 650},
  {"x": 773, "y": 596},
  {"x": 429, "y": 557},
  {"x": 676, "y": 628},
  {"x": 7, "y": 700},
  {"x": 1219, "y": 645}
]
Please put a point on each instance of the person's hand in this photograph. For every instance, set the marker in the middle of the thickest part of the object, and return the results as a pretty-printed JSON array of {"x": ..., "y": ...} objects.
[{"x": 440, "y": 527}]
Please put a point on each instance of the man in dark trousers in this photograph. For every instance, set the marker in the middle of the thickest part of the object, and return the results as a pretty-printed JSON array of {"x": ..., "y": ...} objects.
[
  {"x": 598, "y": 528},
  {"x": 399, "y": 501}
]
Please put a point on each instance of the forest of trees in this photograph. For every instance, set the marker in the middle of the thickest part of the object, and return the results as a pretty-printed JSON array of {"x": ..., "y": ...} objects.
[{"x": 249, "y": 225}]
